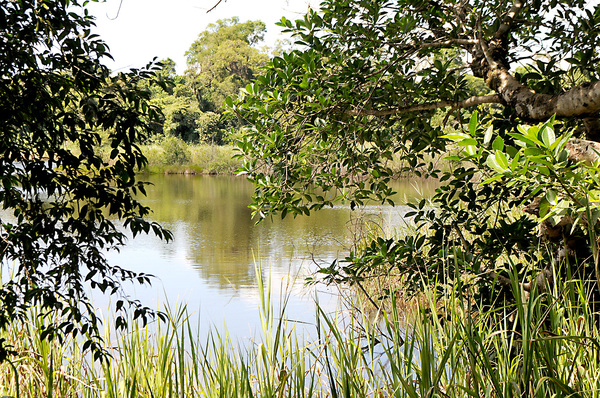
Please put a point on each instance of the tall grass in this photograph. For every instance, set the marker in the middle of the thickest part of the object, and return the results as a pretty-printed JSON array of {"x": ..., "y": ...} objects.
[
  {"x": 174, "y": 156},
  {"x": 546, "y": 345}
]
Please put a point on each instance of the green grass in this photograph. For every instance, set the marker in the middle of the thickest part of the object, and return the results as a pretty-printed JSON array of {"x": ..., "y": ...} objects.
[
  {"x": 174, "y": 156},
  {"x": 546, "y": 345}
]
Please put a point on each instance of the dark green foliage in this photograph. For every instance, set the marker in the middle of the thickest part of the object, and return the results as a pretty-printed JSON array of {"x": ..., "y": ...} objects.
[
  {"x": 373, "y": 82},
  {"x": 59, "y": 198},
  {"x": 223, "y": 59}
]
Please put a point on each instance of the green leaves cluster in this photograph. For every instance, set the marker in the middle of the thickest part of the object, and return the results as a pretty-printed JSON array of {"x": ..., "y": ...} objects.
[
  {"x": 322, "y": 117},
  {"x": 538, "y": 158},
  {"x": 223, "y": 59},
  {"x": 376, "y": 90},
  {"x": 60, "y": 197}
]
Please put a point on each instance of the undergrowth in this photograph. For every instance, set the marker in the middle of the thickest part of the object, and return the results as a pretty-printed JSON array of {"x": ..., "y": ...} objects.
[{"x": 547, "y": 344}]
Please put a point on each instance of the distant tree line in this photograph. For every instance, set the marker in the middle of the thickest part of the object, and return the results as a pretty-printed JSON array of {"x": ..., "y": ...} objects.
[{"x": 223, "y": 59}]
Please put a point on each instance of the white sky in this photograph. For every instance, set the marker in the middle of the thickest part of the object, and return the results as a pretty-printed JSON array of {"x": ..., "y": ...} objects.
[{"x": 144, "y": 29}]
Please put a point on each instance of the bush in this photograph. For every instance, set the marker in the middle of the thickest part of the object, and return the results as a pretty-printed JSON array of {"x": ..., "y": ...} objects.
[{"x": 175, "y": 151}]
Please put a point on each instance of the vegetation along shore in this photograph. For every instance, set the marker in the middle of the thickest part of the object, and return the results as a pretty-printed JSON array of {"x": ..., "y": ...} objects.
[{"x": 489, "y": 288}]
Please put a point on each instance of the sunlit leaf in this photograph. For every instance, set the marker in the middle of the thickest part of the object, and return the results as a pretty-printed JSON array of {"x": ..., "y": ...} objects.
[
  {"x": 473, "y": 123},
  {"x": 488, "y": 135},
  {"x": 547, "y": 136},
  {"x": 498, "y": 144}
]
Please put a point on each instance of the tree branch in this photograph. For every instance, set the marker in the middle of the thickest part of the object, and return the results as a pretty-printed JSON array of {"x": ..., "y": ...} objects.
[
  {"x": 583, "y": 150},
  {"x": 215, "y": 6},
  {"x": 579, "y": 101},
  {"x": 507, "y": 23},
  {"x": 473, "y": 101},
  {"x": 437, "y": 44}
]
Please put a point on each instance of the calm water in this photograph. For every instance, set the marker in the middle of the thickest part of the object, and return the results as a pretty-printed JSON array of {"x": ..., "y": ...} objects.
[{"x": 210, "y": 264}]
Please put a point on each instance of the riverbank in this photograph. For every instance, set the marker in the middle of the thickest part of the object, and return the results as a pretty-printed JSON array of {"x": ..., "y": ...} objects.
[{"x": 173, "y": 156}]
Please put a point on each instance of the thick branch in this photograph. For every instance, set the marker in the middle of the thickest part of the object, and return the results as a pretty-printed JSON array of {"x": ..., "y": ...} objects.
[
  {"x": 473, "y": 101},
  {"x": 529, "y": 105},
  {"x": 580, "y": 101},
  {"x": 583, "y": 151}
]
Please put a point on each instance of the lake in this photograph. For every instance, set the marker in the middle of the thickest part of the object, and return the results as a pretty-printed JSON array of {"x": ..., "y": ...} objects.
[{"x": 211, "y": 264}]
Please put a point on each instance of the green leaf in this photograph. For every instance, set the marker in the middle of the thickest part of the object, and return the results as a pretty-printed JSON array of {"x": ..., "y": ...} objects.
[
  {"x": 576, "y": 222},
  {"x": 471, "y": 151},
  {"x": 501, "y": 159},
  {"x": 544, "y": 170},
  {"x": 541, "y": 160},
  {"x": 532, "y": 151},
  {"x": 498, "y": 144},
  {"x": 488, "y": 135},
  {"x": 492, "y": 179},
  {"x": 547, "y": 136},
  {"x": 528, "y": 140},
  {"x": 514, "y": 164},
  {"x": 551, "y": 197},
  {"x": 304, "y": 83},
  {"x": 531, "y": 132},
  {"x": 560, "y": 143},
  {"x": 473, "y": 123},
  {"x": 493, "y": 162},
  {"x": 455, "y": 136},
  {"x": 563, "y": 156},
  {"x": 467, "y": 142}
]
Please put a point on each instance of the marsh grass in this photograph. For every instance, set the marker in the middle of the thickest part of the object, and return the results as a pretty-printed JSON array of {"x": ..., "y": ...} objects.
[
  {"x": 174, "y": 156},
  {"x": 545, "y": 345}
]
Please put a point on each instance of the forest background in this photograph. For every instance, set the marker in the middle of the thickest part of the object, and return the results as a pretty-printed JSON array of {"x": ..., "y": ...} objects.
[{"x": 192, "y": 135}]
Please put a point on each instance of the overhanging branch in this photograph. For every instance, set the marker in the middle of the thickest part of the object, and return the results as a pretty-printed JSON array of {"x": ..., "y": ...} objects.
[
  {"x": 579, "y": 101},
  {"x": 469, "y": 102}
]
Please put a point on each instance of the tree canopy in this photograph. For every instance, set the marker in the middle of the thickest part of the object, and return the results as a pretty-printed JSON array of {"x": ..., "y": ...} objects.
[
  {"x": 374, "y": 82},
  {"x": 60, "y": 197},
  {"x": 223, "y": 59}
]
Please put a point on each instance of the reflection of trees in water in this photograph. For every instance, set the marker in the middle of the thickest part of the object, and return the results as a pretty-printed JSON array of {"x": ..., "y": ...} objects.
[{"x": 215, "y": 233}]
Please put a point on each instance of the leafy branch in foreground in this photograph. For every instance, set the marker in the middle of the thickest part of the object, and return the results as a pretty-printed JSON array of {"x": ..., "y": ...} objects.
[
  {"x": 373, "y": 82},
  {"x": 59, "y": 197}
]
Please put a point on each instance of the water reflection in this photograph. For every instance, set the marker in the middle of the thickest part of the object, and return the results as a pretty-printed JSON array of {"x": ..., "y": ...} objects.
[
  {"x": 214, "y": 232},
  {"x": 210, "y": 265}
]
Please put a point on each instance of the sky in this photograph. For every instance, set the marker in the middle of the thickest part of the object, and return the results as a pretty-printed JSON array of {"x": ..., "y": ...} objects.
[{"x": 136, "y": 31}]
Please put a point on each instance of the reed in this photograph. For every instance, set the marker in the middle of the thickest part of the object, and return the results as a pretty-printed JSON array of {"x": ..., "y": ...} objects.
[
  {"x": 174, "y": 156},
  {"x": 547, "y": 344}
]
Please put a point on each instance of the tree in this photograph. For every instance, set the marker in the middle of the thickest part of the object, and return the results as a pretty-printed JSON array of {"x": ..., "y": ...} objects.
[
  {"x": 223, "y": 59},
  {"x": 220, "y": 61},
  {"x": 182, "y": 117},
  {"x": 363, "y": 87},
  {"x": 60, "y": 198}
]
